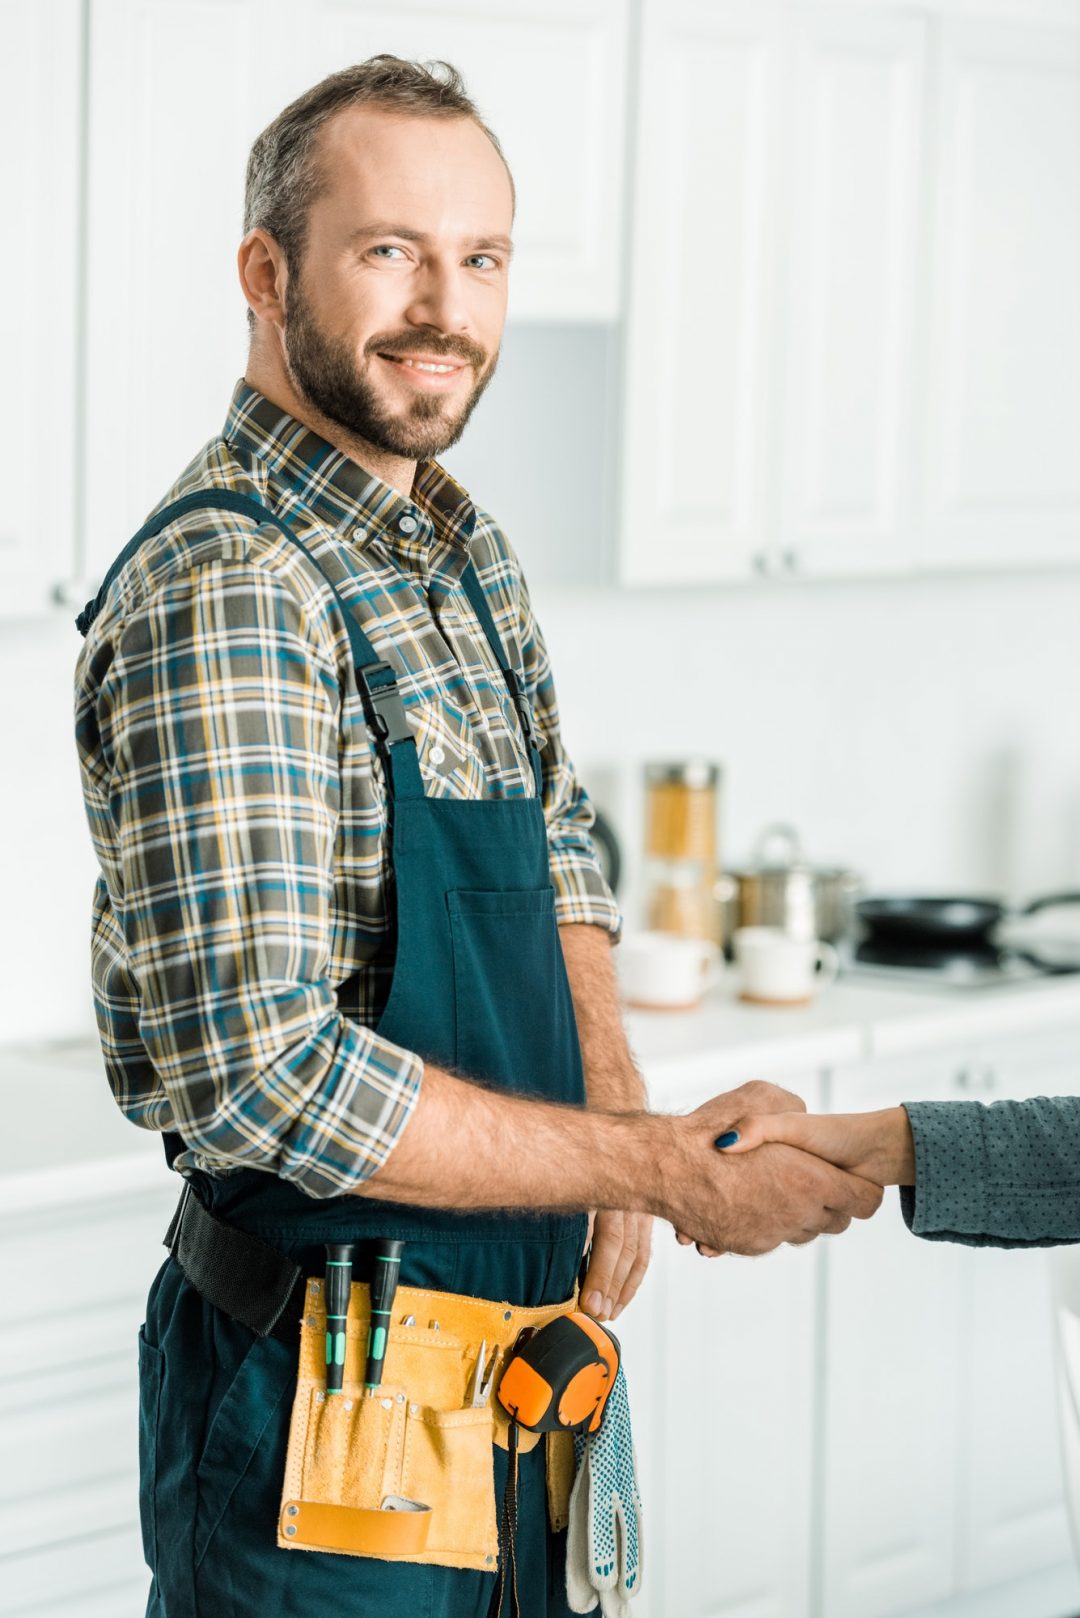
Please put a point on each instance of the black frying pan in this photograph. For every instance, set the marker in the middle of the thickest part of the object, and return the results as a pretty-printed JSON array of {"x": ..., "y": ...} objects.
[{"x": 955, "y": 920}]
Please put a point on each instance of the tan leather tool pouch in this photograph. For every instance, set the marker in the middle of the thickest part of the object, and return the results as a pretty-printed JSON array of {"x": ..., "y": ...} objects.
[{"x": 407, "y": 1473}]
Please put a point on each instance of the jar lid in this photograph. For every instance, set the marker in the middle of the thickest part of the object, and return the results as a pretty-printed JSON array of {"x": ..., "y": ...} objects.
[{"x": 692, "y": 772}]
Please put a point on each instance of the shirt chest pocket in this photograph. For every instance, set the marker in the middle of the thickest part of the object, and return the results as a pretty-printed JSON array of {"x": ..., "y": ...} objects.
[{"x": 450, "y": 762}]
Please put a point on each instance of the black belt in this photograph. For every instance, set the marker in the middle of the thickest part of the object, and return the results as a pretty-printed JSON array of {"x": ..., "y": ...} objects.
[{"x": 236, "y": 1272}]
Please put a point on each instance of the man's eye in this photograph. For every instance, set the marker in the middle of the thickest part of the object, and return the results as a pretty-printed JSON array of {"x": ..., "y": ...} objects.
[{"x": 389, "y": 247}]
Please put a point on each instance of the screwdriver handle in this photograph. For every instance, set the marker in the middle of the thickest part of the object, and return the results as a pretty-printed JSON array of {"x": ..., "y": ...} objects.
[
  {"x": 385, "y": 1269},
  {"x": 339, "y": 1257}
]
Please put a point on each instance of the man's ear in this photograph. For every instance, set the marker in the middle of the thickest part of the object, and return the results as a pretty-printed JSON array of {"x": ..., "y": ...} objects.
[{"x": 264, "y": 276}]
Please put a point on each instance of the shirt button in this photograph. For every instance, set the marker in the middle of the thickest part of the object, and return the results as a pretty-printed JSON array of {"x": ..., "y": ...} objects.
[
  {"x": 358, "y": 533},
  {"x": 437, "y": 755},
  {"x": 407, "y": 524}
]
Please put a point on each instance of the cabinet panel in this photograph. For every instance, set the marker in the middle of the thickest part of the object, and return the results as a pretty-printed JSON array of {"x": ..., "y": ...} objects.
[
  {"x": 177, "y": 94},
  {"x": 1004, "y": 400},
  {"x": 856, "y": 164},
  {"x": 40, "y": 113},
  {"x": 730, "y": 1434},
  {"x": 892, "y": 1388},
  {"x": 1014, "y": 1519},
  {"x": 549, "y": 76},
  {"x": 69, "y": 1403},
  {"x": 701, "y": 266}
]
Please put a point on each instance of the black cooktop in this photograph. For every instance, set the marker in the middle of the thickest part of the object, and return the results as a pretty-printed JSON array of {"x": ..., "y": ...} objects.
[{"x": 955, "y": 965}]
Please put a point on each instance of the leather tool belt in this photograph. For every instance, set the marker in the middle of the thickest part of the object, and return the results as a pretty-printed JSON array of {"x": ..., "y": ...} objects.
[{"x": 405, "y": 1472}]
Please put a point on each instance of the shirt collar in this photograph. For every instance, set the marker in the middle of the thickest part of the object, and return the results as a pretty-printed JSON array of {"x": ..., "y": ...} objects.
[{"x": 341, "y": 491}]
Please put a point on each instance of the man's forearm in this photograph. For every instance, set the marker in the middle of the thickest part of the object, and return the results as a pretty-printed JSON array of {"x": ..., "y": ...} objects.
[
  {"x": 469, "y": 1147},
  {"x": 466, "y": 1147},
  {"x": 612, "y": 1080}
]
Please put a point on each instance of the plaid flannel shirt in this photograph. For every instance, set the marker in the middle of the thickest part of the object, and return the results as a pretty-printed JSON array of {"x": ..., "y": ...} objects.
[{"x": 238, "y": 810}]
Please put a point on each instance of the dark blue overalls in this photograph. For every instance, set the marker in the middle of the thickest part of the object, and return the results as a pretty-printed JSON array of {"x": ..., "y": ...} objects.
[{"x": 479, "y": 984}]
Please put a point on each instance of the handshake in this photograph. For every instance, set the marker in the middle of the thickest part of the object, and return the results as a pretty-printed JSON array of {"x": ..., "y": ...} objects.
[{"x": 786, "y": 1176}]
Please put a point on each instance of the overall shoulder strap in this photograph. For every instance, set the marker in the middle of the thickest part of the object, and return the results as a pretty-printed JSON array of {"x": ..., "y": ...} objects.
[
  {"x": 376, "y": 682},
  {"x": 514, "y": 683}
]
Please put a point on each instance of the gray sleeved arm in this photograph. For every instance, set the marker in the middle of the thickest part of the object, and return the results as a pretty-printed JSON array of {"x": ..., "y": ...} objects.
[{"x": 1007, "y": 1175}]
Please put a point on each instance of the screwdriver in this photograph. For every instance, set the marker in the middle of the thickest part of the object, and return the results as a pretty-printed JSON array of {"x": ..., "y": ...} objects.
[
  {"x": 339, "y": 1256},
  {"x": 385, "y": 1269}
]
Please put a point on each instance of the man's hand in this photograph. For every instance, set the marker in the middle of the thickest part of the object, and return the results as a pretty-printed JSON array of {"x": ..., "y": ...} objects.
[
  {"x": 777, "y": 1194},
  {"x": 756, "y": 1097},
  {"x": 876, "y": 1145},
  {"x": 621, "y": 1243}
]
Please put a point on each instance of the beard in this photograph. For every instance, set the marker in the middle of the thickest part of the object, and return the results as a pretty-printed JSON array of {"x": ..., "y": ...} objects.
[{"x": 324, "y": 371}]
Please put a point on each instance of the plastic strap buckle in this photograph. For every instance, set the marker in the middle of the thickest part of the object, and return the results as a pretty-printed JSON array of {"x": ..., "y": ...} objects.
[
  {"x": 388, "y": 720},
  {"x": 524, "y": 707}
]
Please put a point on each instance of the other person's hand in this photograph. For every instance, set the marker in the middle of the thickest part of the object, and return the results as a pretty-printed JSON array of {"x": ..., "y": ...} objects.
[
  {"x": 876, "y": 1145},
  {"x": 778, "y": 1193}
]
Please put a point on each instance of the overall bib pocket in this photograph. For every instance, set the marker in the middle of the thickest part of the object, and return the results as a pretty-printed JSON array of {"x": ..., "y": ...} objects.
[{"x": 502, "y": 940}]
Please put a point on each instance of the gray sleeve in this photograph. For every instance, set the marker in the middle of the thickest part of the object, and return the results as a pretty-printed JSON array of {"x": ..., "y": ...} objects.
[{"x": 1007, "y": 1175}]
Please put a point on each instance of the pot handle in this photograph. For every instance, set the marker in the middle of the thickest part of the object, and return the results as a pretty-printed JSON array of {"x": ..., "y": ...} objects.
[
  {"x": 1048, "y": 902},
  {"x": 784, "y": 835}
]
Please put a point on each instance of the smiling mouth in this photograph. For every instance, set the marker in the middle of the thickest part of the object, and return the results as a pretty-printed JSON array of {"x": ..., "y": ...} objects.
[{"x": 430, "y": 368}]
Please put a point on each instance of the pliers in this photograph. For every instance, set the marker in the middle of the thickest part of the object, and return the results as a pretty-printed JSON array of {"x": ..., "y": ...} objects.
[{"x": 480, "y": 1387}]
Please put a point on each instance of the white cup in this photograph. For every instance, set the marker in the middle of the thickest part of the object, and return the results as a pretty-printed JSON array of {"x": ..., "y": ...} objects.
[
  {"x": 779, "y": 970},
  {"x": 662, "y": 972}
]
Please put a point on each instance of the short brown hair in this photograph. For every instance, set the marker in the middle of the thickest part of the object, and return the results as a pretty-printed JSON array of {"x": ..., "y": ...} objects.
[{"x": 283, "y": 175}]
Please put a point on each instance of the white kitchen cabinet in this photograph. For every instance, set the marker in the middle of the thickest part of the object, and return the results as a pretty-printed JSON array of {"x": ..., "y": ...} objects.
[
  {"x": 76, "y": 1278},
  {"x": 1003, "y": 382},
  {"x": 702, "y": 258},
  {"x": 892, "y": 1376},
  {"x": 179, "y": 89},
  {"x": 40, "y": 127},
  {"x": 853, "y": 335},
  {"x": 856, "y": 147},
  {"x": 725, "y": 1425},
  {"x": 1013, "y": 1518}
]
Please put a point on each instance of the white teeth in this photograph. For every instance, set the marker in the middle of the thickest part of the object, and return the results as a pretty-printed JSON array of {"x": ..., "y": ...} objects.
[{"x": 419, "y": 365}]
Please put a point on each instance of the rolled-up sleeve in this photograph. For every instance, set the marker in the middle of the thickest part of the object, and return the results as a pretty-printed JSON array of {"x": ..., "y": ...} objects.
[
  {"x": 581, "y": 893},
  {"x": 1006, "y": 1175},
  {"x": 218, "y": 720}
]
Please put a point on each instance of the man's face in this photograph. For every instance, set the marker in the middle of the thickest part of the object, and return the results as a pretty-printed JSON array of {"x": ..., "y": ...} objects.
[{"x": 364, "y": 297}]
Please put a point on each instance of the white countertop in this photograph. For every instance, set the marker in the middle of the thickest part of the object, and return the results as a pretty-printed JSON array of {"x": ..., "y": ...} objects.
[
  {"x": 63, "y": 1133},
  {"x": 852, "y": 1021}
]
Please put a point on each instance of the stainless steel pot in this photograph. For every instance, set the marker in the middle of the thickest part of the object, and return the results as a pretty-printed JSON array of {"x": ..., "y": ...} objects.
[{"x": 781, "y": 889}]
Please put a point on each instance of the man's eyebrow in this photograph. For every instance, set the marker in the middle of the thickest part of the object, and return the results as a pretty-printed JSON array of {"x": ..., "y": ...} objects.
[{"x": 382, "y": 227}]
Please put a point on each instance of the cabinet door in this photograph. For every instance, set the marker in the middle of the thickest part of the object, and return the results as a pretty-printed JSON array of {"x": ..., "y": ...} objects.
[
  {"x": 40, "y": 113},
  {"x": 69, "y": 1402},
  {"x": 1014, "y": 1519},
  {"x": 892, "y": 1336},
  {"x": 178, "y": 91},
  {"x": 701, "y": 265},
  {"x": 856, "y": 168},
  {"x": 549, "y": 77},
  {"x": 728, "y": 1481},
  {"x": 1003, "y": 473}
]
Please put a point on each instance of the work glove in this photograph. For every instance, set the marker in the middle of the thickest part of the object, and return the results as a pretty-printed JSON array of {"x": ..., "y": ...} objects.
[{"x": 603, "y": 1539}]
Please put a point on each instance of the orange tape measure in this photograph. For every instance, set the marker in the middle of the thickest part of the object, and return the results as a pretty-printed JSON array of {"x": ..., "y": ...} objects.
[{"x": 560, "y": 1376}]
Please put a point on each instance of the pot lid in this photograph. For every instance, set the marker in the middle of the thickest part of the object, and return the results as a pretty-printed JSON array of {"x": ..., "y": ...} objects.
[{"x": 778, "y": 852}]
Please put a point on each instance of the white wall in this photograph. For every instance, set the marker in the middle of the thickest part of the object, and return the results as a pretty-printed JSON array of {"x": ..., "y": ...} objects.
[{"x": 927, "y": 732}]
